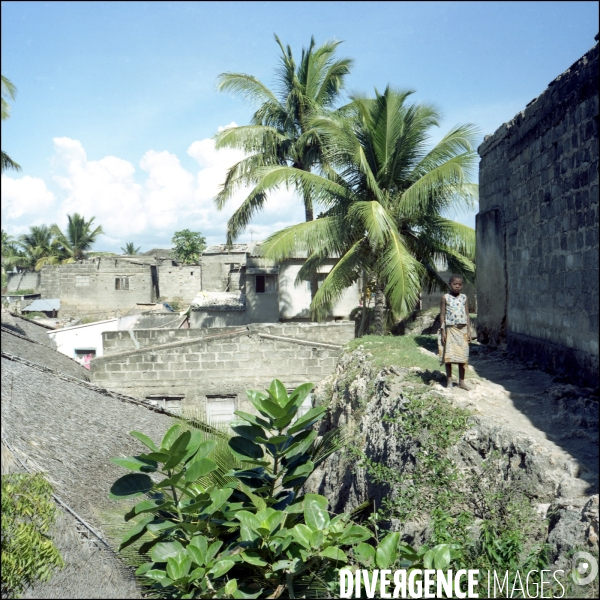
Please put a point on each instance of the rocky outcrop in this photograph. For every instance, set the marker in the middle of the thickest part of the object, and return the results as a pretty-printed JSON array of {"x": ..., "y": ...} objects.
[{"x": 562, "y": 484}]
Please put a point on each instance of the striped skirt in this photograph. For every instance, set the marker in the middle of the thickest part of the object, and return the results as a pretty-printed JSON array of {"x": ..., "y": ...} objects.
[{"x": 456, "y": 349}]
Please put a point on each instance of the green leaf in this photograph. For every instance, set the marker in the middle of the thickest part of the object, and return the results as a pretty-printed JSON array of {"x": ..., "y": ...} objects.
[
  {"x": 365, "y": 553},
  {"x": 130, "y": 486},
  {"x": 278, "y": 392},
  {"x": 230, "y": 587},
  {"x": 317, "y": 538},
  {"x": 315, "y": 511},
  {"x": 301, "y": 443},
  {"x": 254, "y": 558},
  {"x": 221, "y": 568},
  {"x": 197, "y": 549},
  {"x": 428, "y": 559},
  {"x": 174, "y": 461},
  {"x": 302, "y": 470},
  {"x": 387, "y": 551},
  {"x": 212, "y": 551},
  {"x": 160, "y": 576},
  {"x": 442, "y": 556},
  {"x": 272, "y": 408},
  {"x": 197, "y": 573},
  {"x": 218, "y": 497},
  {"x": 334, "y": 553},
  {"x": 281, "y": 564},
  {"x": 178, "y": 566},
  {"x": 180, "y": 444},
  {"x": 147, "y": 441},
  {"x": 143, "y": 507},
  {"x": 301, "y": 534},
  {"x": 135, "y": 463},
  {"x": 253, "y": 420},
  {"x": 354, "y": 534},
  {"x": 158, "y": 526},
  {"x": 163, "y": 550},
  {"x": 245, "y": 449},
  {"x": 241, "y": 595},
  {"x": 142, "y": 569},
  {"x": 171, "y": 435},
  {"x": 306, "y": 420},
  {"x": 249, "y": 432},
  {"x": 298, "y": 396},
  {"x": 199, "y": 468},
  {"x": 135, "y": 533}
]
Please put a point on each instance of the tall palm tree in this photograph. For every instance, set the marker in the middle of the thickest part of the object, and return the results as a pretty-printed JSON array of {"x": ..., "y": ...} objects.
[
  {"x": 8, "y": 91},
  {"x": 280, "y": 131},
  {"x": 388, "y": 199},
  {"x": 130, "y": 249},
  {"x": 78, "y": 237},
  {"x": 34, "y": 249}
]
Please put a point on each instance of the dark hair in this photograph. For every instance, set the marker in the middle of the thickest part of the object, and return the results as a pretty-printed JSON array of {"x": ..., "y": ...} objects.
[{"x": 453, "y": 277}]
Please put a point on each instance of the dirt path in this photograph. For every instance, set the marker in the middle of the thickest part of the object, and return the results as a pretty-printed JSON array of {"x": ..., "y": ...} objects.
[{"x": 561, "y": 419}]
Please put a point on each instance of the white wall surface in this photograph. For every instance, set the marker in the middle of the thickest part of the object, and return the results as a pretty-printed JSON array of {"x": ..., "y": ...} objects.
[{"x": 88, "y": 336}]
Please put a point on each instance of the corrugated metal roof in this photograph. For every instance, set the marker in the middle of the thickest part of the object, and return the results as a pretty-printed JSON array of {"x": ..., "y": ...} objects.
[{"x": 43, "y": 305}]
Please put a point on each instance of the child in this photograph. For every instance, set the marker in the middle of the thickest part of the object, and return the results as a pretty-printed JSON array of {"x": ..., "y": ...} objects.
[{"x": 455, "y": 332}]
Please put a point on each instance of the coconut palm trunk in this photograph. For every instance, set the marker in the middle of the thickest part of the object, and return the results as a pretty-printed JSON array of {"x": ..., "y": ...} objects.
[{"x": 379, "y": 311}]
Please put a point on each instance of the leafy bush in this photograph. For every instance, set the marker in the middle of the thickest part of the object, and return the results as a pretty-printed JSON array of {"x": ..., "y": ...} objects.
[
  {"x": 255, "y": 535},
  {"x": 28, "y": 554}
]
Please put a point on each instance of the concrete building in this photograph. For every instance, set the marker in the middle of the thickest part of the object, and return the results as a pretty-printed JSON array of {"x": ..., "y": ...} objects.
[
  {"x": 537, "y": 229},
  {"x": 239, "y": 287}
]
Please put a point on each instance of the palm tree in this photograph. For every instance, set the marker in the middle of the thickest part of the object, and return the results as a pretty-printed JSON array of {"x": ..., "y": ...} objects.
[
  {"x": 280, "y": 131},
  {"x": 79, "y": 236},
  {"x": 34, "y": 249},
  {"x": 130, "y": 249},
  {"x": 386, "y": 197},
  {"x": 8, "y": 91}
]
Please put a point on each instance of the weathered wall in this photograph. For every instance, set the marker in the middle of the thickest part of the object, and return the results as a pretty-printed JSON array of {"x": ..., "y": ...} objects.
[
  {"x": 537, "y": 230},
  {"x": 179, "y": 284},
  {"x": 139, "y": 339},
  {"x": 216, "y": 269},
  {"x": 25, "y": 280},
  {"x": 222, "y": 363},
  {"x": 89, "y": 286}
]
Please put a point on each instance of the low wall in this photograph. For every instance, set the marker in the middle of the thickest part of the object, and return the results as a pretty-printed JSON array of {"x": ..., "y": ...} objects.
[
  {"x": 138, "y": 339},
  {"x": 26, "y": 280},
  {"x": 224, "y": 364}
]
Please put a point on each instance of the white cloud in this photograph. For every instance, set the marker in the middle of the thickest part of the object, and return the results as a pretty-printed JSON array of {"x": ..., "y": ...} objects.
[{"x": 145, "y": 206}]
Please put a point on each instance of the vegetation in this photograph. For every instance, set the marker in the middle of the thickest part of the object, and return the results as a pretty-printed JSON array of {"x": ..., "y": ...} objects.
[
  {"x": 248, "y": 533},
  {"x": 8, "y": 92},
  {"x": 28, "y": 511},
  {"x": 130, "y": 249},
  {"x": 189, "y": 246},
  {"x": 45, "y": 245},
  {"x": 281, "y": 133},
  {"x": 386, "y": 196}
]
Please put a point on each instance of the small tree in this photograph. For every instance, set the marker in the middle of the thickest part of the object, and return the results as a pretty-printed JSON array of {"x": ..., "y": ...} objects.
[
  {"x": 28, "y": 554},
  {"x": 130, "y": 249},
  {"x": 189, "y": 245}
]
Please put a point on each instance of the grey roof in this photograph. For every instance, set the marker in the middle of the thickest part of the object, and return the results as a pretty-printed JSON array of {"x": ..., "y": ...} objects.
[
  {"x": 27, "y": 328},
  {"x": 43, "y": 305},
  {"x": 219, "y": 301},
  {"x": 69, "y": 429},
  {"x": 160, "y": 253},
  {"x": 171, "y": 320},
  {"x": 224, "y": 249},
  {"x": 42, "y": 355}
]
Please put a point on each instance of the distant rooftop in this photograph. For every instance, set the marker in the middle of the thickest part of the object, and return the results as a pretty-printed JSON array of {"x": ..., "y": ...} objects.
[
  {"x": 43, "y": 305},
  {"x": 219, "y": 301}
]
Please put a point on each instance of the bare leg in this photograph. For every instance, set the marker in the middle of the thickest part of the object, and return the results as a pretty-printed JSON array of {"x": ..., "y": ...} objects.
[
  {"x": 461, "y": 376},
  {"x": 448, "y": 375}
]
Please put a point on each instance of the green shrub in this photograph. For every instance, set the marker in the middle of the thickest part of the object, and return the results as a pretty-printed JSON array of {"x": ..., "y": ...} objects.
[
  {"x": 256, "y": 535},
  {"x": 28, "y": 511}
]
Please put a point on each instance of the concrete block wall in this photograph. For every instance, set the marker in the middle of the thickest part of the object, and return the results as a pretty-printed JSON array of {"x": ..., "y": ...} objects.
[
  {"x": 25, "y": 280},
  {"x": 226, "y": 365},
  {"x": 138, "y": 339},
  {"x": 89, "y": 286},
  {"x": 179, "y": 284},
  {"x": 537, "y": 230}
]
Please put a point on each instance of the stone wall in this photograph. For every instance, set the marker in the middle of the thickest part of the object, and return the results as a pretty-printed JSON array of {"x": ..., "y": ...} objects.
[
  {"x": 179, "y": 284},
  {"x": 114, "y": 342},
  {"x": 537, "y": 230},
  {"x": 89, "y": 286},
  {"x": 222, "y": 364},
  {"x": 25, "y": 280}
]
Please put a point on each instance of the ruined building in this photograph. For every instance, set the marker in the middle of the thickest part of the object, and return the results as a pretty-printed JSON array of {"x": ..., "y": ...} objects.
[{"x": 537, "y": 229}]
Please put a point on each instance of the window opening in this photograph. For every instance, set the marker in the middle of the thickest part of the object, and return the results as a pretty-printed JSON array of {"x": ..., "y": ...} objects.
[
  {"x": 121, "y": 283},
  {"x": 219, "y": 409},
  {"x": 265, "y": 284},
  {"x": 171, "y": 402}
]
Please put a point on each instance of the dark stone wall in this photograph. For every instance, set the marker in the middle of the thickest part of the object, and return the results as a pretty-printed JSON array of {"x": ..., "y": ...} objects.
[{"x": 537, "y": 230}]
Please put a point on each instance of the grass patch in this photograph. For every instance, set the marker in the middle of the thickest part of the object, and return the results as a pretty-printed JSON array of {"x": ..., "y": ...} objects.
[
  {"x": 33, "y": 315},
  {"x": 400, "y": 351}
]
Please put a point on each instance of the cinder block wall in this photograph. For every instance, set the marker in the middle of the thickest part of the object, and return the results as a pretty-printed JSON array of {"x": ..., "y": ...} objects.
[
  {"x": 537, "y": 230},
  {"x": 26, "y": 280},
  {"x": 139, "y": 339},
  {"x": 224, "y": 365},
  {"x": 89, "y": 286},
  {"x": 179, "y": 284}
]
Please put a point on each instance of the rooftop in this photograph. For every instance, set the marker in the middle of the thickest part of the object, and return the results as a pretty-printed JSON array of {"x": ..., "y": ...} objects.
[{"x": 219, "y": 301}]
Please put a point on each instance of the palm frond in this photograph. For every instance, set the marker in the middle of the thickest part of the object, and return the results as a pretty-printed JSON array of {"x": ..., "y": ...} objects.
[{"x": 247, "y": 86}]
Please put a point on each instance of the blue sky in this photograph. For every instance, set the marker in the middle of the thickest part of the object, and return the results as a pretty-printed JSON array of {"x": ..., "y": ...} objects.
[{"x": 117, "y": 101}]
